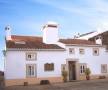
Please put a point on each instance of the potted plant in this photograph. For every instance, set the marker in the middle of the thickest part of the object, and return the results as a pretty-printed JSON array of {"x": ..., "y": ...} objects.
[
  {"x": 64, "y": 75},
  {"x": 87, "y": 73}
]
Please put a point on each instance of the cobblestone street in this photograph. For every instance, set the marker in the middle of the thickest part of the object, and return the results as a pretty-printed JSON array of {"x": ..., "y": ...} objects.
[{"x": 80, "y": 85}]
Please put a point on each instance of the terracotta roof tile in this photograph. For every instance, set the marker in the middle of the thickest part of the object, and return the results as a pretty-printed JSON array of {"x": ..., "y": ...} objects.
[
  {"x": 30, "y": 42},
  {"x": 77, "y": 41}
]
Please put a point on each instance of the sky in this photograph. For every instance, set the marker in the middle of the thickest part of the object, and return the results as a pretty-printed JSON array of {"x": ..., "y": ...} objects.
[{"x": 26, "y": 17}]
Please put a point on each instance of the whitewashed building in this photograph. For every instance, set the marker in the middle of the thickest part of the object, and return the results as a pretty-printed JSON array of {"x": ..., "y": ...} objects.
[{"x": 32, "y": 58}]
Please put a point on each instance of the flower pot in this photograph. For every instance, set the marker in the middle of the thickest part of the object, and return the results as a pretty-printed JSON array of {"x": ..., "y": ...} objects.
[
  {"x": 87, "y": 77},
  {"x": 65, "y": 79}
]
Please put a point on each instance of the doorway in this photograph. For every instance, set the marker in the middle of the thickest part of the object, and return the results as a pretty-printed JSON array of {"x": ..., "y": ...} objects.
[{"x": 72, "y": 70}]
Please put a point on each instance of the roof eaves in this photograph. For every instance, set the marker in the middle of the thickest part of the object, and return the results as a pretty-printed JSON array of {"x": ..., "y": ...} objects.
[
  {"x": 24, "y": 49},
  {"x": 94, "y": 45}
]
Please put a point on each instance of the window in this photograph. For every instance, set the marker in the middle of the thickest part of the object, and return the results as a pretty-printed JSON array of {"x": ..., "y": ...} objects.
[
  {"x": 71, "y": 51},
  {"x": 49, "y": 67},
  {"x": 83, "y": 66},
  {"x": 81, "y": 51},
  {"x": 30, "y": 70},
  {"x": 30, "y": 56},
  {"x": 63, "y": 67},
  {"x": 95, "y": 51},
  {"x": 103, "y": 68}
]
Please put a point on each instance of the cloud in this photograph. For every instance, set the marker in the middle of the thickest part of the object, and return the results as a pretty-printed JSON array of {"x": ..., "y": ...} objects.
[{"x": 95, "y": 11}]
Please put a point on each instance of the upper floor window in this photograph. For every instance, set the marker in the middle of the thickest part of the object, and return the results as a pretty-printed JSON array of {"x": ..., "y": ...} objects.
[
  {"x": 71, "y": 51},
  {"x": 103, "y": 68},
  {"x": 30, "y": 70},
  {"x": 81, "y": 51},
  {"x": 49, "y": 67},
  {"x": 95, "y": 51},
  {"x": 30, "y": 56}
]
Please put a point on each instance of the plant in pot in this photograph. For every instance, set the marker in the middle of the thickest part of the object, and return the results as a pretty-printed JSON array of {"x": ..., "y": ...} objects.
[
  {"x": 87, "y": 73},
  {"x": 64, "y": 75}
]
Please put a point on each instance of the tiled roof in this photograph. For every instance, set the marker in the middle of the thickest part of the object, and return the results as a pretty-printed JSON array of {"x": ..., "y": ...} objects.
[
  {"x": 77, "y": 41},
  {"x": 29, "y": 42},
  {"x": 32, "y": 42}
]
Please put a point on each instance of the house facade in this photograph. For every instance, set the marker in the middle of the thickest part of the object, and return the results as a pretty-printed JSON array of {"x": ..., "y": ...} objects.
[{"x": 32, "y": 58}]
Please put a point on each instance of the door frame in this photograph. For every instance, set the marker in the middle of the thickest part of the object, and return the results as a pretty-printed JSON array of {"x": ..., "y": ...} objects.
[
  {"x": 76, "y": 67},
  {"x": 72, "y": 70}
]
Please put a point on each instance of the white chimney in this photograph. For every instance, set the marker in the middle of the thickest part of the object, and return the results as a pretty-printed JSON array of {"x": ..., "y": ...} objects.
[
  {"x": 98, "y": 40},
  {"x": 8, "y": 32},
  {"x": 50, "y": 33}
]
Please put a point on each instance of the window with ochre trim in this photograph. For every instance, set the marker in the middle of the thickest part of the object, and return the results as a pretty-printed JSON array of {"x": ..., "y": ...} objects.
[
  {"x": 95, "y": 51},
  {"x": 81, "y": 51},
  {"x": 31, "y": 70},
  {"x": 82, "y": 67},
  {"x": 71, "y": 51},
  {"x": 31, "y": 56}
]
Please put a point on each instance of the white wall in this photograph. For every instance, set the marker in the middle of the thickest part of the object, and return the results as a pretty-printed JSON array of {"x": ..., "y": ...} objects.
[
  {"x": 15, "y": 65},
  {"x": 16, "y": 61},
  {"x": 55, "y": 57}
]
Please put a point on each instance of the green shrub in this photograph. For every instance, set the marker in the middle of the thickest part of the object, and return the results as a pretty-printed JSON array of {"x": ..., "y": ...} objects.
[
  {"x": 64, "y": 75},
  {"x": 87, "y": 71}
]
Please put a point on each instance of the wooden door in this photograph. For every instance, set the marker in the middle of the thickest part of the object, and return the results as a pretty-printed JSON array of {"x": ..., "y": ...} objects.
[{"x": 72, "y": 70}]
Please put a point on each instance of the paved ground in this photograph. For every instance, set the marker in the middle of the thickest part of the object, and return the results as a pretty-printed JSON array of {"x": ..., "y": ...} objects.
[{"x": 79, "y": 85}]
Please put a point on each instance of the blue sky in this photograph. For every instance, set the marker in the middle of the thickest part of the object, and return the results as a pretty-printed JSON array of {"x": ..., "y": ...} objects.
[{"x": 26, "y": 17}]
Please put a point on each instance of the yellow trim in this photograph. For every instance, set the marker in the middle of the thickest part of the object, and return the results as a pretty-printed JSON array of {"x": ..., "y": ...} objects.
[{"x": 34, "y": 72}]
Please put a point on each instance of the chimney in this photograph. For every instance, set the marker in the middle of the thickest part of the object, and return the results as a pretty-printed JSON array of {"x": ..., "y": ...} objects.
[
  {"x": 50, "y": 33},
  {"x": 8, "y": 32},
  {"x": 98, "y": 40}
]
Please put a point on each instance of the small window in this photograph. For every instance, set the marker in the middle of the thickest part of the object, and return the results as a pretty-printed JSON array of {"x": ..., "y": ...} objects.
[
  {"x": 49, "y": 67},
  {"x": 103, "y": 68},
  {"x": 30, "y": 70},
  {"x": 31, "y": 56},
  {"x": 83, "y": 66},
  {"x": 81, "y": 51},
  {"x": 71, "y": 51},
  {"x": 95, "y": 51}
]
